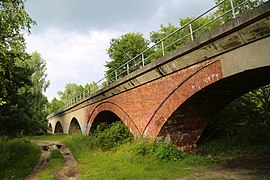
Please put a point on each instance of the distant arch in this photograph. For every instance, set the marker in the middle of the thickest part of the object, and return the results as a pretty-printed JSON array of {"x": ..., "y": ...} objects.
[
  {"x": 109, "y": 108},
  {"x": 50, "y": 130},
  {"x": 58, "y": 128},
  {"x": 74, "y": 127}
]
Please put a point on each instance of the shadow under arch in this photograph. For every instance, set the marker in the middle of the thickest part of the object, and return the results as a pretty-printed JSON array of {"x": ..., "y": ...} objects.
[
  {"x": 74, "y": 127},
  {"x": 104, "y": 117},
  {"x": 49, "y": 130},
  {"x": 186, "y": 124},
  {"x": 107, "y": 109},
  {"x": 58, "y": 128}
]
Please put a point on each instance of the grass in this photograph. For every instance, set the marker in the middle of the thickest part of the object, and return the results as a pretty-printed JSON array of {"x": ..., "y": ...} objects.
[
  {"x": 55, "y": 163},
  {"x": 17, "y": 157},
  {"x": 107, "y": 155},
  {"x": 50, "y": 137},
  {"x": 123, "y": 163}
]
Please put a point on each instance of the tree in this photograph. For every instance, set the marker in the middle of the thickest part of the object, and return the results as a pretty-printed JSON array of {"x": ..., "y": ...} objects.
[
  {"x": 90, "y": 88},
  {"x": 261, "y": 97},
  {"x": 241, "y": 6},
  {"x": 122, "y": 50},
  {"x": 39, "y": 102},
  {"x": 13, "y": 19},
  {"x": 15, "y": 97},
  {"x": 72, "y": 90},
  {"x": 54, "y": 105},
  {"x": 170, "y": 43},
  {"x": 179, "y": 37}
]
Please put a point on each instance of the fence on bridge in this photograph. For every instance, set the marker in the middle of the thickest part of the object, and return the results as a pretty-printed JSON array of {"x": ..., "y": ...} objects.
[{"x": 188, "y": 32}]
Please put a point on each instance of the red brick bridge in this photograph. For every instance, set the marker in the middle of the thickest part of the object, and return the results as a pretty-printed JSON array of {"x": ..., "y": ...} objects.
[{"x": 175, "y": 96}]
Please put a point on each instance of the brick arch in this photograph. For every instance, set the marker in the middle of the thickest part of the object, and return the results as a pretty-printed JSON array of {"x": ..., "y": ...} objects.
[
  {"x": 58, "y": 127},
  {"x": 74, "y": 126},
  {"x": 118, "y": 111},
  {"x": 194, "y": 83}
]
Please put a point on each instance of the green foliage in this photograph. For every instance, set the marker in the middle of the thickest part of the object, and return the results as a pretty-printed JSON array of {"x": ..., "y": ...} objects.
[
  {"x": 56, "y": 154},
  {"x": 22, "y": 104},
  {"x": 17, "y": 157},
  {"x": 106, "y": 137},
  {"x": 199, "y": 26},
  {"x": 54, "y": 105},
  {"x": 12, "y": 47},
  {"x": 240, "y": 118},
  {"x": 71, "y": 91},
  {"x": 170, "y": 43},
  {"x": 140, "y": 159},
  {"x": 159, "y": 150},
  {"x": 122, "y": 50},
  {"x": 55, "y": 163},
  {"x": 243, "y": 7}
]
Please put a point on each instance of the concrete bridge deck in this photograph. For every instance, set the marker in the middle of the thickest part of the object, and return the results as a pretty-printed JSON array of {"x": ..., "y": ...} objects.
[{"x": 174, "y": 96}]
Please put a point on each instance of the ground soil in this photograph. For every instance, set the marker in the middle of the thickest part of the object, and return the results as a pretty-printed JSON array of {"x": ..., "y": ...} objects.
[
  {"x": 69, "y": 169},
  {"x": 239, "y": 167},
  {"x": 242, "y": 167}
]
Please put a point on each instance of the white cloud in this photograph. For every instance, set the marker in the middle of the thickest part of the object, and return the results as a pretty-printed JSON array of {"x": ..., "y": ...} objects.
[{"x": 71, "y": 56}]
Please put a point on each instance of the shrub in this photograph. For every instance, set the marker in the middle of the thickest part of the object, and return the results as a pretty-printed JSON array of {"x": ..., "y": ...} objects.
[
  {"x": 159, "y": 150},
  {"x": 106, "y": 137},
  {"x": 17, "y": 157}
]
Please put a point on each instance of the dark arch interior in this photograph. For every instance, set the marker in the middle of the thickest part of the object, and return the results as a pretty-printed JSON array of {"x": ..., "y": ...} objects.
[
  {"x": 50, "y": 128},
  {"x": 58, "y": 128},
  {"x": 186, "y": 124},
  {"x": 106, "y": 117},
  {"x": 74, "y": 127}
]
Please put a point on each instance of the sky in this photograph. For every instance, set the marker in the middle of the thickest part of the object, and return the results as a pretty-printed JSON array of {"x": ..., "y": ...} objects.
[{"x": 72, "y": 35}]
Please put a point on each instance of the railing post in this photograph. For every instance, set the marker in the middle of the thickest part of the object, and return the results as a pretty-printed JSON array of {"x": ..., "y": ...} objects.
[
  {"x": 142, "y": 60},
  {"x": 115, "y": 72},
  {"x": 191, "y": 32},
  {"x": 232, "y": 6},
  {"x": 127, "y": 68},
  {"x": 162, "y": 46}
]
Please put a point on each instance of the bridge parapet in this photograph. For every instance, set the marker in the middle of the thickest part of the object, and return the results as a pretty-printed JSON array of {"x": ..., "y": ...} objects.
[
  {"x": 144, "y": 57},
  {"x": 155, "y": 100}
]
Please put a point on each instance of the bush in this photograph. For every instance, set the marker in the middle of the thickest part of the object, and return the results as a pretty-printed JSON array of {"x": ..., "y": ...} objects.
[
  {"x": 17, "y": 157},
  {"x": 112, "y": 136},
  {"x": 159, "y": 150},
  {"x": 106, "y": 137}
]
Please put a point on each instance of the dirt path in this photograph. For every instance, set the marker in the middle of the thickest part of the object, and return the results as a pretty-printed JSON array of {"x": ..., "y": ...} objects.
[
  {"x": 244, "y": 167},
  {"x": 69, "y": 169}
]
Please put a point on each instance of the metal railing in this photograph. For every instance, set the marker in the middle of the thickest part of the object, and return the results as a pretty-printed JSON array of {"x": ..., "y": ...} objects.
[{"x": 183, "y": 35}]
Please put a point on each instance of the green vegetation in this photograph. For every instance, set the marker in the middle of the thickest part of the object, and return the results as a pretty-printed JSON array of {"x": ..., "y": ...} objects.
[
  {"x": 55, "y": 163},
  {"x": 111, "y": 152},
  {"x": 23, "y": 77},
  {"x": 17, "y": 157},
  {"x": 130, "y": 45},
  {"x": 53, "y": 137},
  {"x": 241, "y": 128}
]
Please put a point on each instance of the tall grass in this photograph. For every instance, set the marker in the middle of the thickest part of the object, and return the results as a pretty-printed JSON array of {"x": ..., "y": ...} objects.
[
  {"x": 17, "y": 157},
  {"x": 113, "y": 154}
]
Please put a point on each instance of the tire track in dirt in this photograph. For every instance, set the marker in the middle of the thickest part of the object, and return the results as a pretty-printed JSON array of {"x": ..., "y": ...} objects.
[{"x": 69, "y": 169}]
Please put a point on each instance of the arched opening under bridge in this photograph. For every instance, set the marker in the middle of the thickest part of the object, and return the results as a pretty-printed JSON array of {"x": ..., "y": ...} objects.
[
  {"x": 74, "y": 127},
  {"x": 58, "y": 128},
  {"x": 105, "y": 118}
]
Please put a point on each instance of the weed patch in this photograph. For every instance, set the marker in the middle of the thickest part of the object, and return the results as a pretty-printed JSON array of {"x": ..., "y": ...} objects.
[
  {"x": 55, "y": 163},
  {"x": 17, "y": 157}
]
